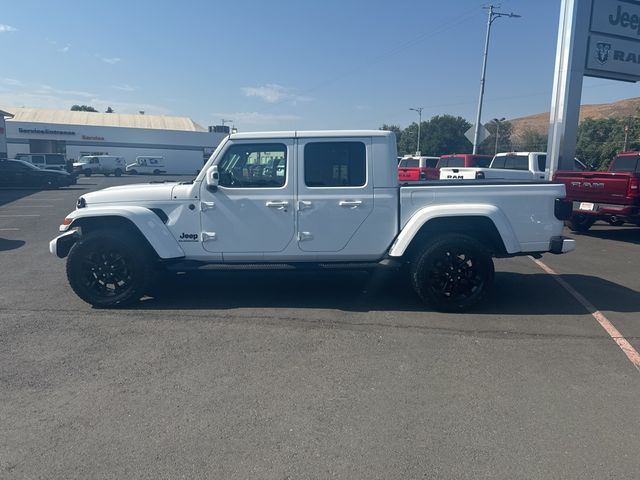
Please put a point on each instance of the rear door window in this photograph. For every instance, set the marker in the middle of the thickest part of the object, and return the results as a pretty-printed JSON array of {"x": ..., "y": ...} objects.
[
  {"x": 37, "y": 159},
  {"x": 430, "y": 162},
  {"x": 335, "y": 164},
  {"x": 626, "y": 164}
]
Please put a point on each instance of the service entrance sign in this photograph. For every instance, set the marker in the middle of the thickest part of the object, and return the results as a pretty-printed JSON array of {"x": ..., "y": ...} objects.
[{"x": 597, "y": 38}]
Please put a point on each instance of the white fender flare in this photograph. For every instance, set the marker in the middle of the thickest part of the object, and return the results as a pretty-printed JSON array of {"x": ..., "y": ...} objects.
[
  {"x": 146, "y": 221},
  {"x": 422, "y": 216}
]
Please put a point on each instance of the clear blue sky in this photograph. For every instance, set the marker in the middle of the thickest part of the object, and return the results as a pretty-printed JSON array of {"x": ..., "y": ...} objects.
[{"x": 283, "y": 64}]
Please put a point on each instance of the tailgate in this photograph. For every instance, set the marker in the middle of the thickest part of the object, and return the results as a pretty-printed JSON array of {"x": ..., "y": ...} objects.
[
  {"x": 405, "y": 174},
  {"x": 601, "y": 187},
  {"x": 451, "y": 173}
]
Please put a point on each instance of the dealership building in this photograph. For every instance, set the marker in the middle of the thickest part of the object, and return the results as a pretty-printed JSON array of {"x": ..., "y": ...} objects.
[{"x": 183, "y": 144}]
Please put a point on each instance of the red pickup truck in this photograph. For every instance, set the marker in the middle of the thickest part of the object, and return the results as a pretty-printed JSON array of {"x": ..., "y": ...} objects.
[
  {"x": 414, "y": 168},
  {"x": 612, "y": 196}
]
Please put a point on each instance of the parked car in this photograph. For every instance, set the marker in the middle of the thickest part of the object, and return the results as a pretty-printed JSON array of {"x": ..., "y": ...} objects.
[
  {"x": 18, "y": 173},
  {"x": 49, "y": 161},
  {"x": 509, "y": 166},
  {"x": 612, "y": 196},
  {"x": 147, "y": 165},
  {"x": 413, "y": 168},
  {"x": 104, "y": 164},
  {"x": 335, "y": 203}
]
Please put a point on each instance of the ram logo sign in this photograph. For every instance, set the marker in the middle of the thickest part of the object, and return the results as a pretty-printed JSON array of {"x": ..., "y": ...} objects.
[{"x": 614, "y": 40}]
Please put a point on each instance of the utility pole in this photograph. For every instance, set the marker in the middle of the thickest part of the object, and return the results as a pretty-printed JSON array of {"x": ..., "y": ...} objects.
[
  {"x": 490, "y": 19},
  {"x": 419, "y": 110}
]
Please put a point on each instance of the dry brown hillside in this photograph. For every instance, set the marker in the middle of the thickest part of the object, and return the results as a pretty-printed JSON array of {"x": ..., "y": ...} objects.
[{"x": 540, "y": 121}]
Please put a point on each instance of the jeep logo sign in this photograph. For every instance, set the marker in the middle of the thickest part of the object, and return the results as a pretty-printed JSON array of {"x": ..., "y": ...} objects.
[{"x": 614, "y": 40}]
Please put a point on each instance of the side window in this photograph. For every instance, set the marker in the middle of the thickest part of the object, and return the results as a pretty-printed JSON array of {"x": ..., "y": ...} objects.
[
  {"x": 542, "y": 162},
  {"x": 335, "y": 164},
  {"x": 37, "y": 159},
  {"x": 498, "y": 162},
  {"x": 94, "y": 160},
  {"x": 256, "y": 165}
]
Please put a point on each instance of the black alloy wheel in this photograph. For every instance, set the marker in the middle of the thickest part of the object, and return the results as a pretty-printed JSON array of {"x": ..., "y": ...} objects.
[
  {"x": 581, "y": 223},
  {"x": 452, "y": 273},
  {"x": 109, "y": 268}
]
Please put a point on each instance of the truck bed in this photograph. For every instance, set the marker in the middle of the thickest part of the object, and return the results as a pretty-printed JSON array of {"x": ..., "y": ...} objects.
[{"x": 518, "y": 211}]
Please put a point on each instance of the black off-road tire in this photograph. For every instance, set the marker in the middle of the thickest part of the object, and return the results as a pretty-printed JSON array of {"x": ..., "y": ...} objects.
[
  {"x": 452, "y": 272},
  {"x": 110, "y": 268},
  {"x": 118, "y": 172},
  {"x": 581, "y": 223}
]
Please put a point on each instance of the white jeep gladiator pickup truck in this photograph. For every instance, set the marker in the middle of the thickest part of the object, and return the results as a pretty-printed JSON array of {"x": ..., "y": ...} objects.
[{"x": 308, "y": 200}]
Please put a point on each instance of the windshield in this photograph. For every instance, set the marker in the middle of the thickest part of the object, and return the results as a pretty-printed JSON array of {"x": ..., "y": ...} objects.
[
  {"x": 30, "y": 165},
  {"x": 627, "y": 163},
  {"x": 511, "y": 162},
  {"x": 409, "y": 163}
]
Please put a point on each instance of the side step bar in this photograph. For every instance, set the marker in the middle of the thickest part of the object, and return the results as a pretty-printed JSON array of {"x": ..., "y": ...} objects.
[{"x": 194, "y": 265}]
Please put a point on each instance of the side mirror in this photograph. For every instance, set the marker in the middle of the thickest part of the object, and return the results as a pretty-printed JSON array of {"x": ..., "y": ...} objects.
[{"x": 212, "y": 178}]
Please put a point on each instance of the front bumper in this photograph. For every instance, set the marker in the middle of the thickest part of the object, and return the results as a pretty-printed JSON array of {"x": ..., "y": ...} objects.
[
  {"x": 61, "y": 245},
  {"x": 562, "y": 244}
]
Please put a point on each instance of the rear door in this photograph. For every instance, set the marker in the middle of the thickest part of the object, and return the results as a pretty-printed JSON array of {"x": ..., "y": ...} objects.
[{"x": 335, "y": 191}]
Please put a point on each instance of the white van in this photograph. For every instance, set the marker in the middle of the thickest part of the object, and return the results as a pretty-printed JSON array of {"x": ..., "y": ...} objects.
[
  {"x": 105, "y": 164},
  {"x": 48, "y": 161},
  {"x": 146, "y": 165}
]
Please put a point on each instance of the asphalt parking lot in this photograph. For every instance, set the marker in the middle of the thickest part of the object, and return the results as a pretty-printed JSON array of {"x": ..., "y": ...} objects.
[{"x": 281, "y": 375}]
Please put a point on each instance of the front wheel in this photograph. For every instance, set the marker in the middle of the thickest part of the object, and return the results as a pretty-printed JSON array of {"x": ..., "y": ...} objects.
[
  {"x": 452, "y": 273},
  {"x": 109, "y": 268},
  {"x": 581, "y": 223},
  {"x": 118, "y": 172}
]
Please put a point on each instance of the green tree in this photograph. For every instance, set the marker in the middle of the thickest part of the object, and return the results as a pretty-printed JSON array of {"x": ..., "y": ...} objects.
[
  {"x": 600, "y": 139},
  {"x": 409, "y": 139},
  {"x": 109, "y": 110},
  {"x": 530, "y": 140},
  {"x": 504, "y": 130},
  {"x": 83, "y": 108},
  {"x": 444, "y": 134}
]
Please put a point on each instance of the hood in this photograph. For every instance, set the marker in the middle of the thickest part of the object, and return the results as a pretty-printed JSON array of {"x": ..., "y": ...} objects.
[{"x": 131, "y": 193}]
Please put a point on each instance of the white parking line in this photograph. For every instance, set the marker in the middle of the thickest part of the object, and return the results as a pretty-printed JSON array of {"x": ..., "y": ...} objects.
[
  {"x": 27, "y": 206},
  {"x": 25, "y": 215},
  {"x": 9, "y": 229},
  {"x": 631, "y": 353}
]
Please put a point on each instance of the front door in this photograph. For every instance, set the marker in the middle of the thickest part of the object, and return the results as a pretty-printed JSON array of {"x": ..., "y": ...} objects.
[
  {"x": 335, "y": 192},
  {"x": 252, "y": 211}
]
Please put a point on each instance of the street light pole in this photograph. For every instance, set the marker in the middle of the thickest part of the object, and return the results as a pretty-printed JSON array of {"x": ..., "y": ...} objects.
[
  {"x": 490, "y": 19},
  {"x": 419, "y": 110}
]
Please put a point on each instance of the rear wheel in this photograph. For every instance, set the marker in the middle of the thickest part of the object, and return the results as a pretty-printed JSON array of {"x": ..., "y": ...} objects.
[
  {"x": 109, "y": 268},
  {"x": 118, "y": 172},
  {"x": 87, "y": 172},
  {"x": 133, "y": 172},
  {"x": 452, "y": 273},
  {"x": 581, "y": 223}
]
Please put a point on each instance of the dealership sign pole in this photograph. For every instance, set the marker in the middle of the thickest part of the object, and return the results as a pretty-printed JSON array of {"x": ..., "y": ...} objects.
[{"x": 596, "y": 38}]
